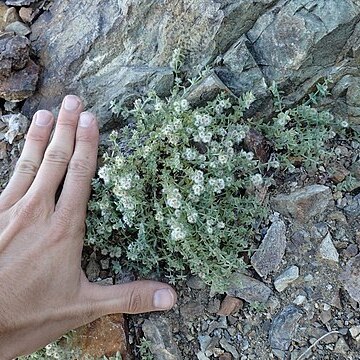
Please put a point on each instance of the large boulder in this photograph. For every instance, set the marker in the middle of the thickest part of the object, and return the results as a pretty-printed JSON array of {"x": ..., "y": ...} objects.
[{"x": 120, "y": 49}]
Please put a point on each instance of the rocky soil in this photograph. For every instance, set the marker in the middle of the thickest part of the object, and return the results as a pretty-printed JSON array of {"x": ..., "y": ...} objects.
[{"x": 300, "y": 297}]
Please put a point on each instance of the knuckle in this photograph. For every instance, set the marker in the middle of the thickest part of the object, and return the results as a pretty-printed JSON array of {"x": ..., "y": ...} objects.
[
  {"x": 57, "y": 156},
  {"x": 35, "y": 136},
  {"x": 80, "y": 168},
  {"x": 134, "y": 302},
  {"x": 64, "y": 218},
  {"x": 30, "y": 209},
  {"x": 27, "y": 167}
]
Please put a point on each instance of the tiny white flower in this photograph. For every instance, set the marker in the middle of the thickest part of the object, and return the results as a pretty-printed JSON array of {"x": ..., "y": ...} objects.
[
  {"x": 344, "y": 124},
  {"x": 221, "y": 183},
  {"x": 197, "y": 189},
  {"x": 249, "y": 155},
  {"x": 184, "y": 104},
  {"x": 257, "y": 180},
  {"x": 220, "y": 225},
  {"x": 158, "y": 106},
  {"x": 223, "y": 159}
]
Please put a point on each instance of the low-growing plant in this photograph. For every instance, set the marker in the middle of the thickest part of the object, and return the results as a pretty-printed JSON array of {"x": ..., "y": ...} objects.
[{"x": 177, "y": 189}]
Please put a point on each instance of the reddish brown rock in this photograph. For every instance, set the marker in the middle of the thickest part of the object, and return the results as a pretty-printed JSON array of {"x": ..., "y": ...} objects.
[
  {"x": 20, "y": 84},
  {"x": 103, "y": 337},
  {"x": 225, "y": 356},
  {"x": 258, "y": 144},
  {"x": 230, "y": 305}
]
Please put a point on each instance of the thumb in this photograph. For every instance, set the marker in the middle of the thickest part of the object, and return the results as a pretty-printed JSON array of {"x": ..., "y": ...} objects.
[{"x": 132, "y": 298}]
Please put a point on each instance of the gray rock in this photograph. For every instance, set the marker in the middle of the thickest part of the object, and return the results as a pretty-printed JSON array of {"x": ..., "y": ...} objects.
[
  {"x": 327, "y": 249},
  {"x": 229, "y": 348},
  {"x": 353, "y": 209},
  {"x": 303, "y": 204},
  {"x": 104, "y": 53},
  {"x": 272, "y": 249},
  {"x": 18, "y": 73},
  {"x": 341, "y": 346},
  {"x": 248, "y": 289},
  {"x": 351, "y": 279},
  {"x": 296, "y": 35},
  {"x": 19, "y": 2},
  {"x": 286, "y": 278},
  {"x": 19, "y": 28},
  {"x": 283, "y": 328},
  {"x": 92, "y": 270},
  {"x": 194, "y": 282},
  {"x": 17, "y": 124},
  {"x": 14, "y": 53},
  {"x": 162, "y": 344}
]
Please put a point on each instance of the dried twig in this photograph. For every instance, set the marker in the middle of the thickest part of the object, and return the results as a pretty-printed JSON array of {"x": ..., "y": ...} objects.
[{"x": 315, "y": 343}]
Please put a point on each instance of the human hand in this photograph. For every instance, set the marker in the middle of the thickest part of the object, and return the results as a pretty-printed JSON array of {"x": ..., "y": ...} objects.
[{"x": 44, "y": 292}]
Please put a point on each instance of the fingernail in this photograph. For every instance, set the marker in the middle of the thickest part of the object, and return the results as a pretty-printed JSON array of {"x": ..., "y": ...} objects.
[
  {"x": 71, "y": 103},
  {"x": 163, "y": 299},
  {"x": 85, "y": 119},
  {"x": 42, "y": 118}
]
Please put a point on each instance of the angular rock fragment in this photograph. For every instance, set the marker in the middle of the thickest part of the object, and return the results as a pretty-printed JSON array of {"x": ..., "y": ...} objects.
[
  {"x": 20, "y": 84},
  {"x": 19, "y": 28},
  {"x": 14, "y": 53},
  {"x": 283, "y": 328},
  {"x": 19, "y": 2},
  {"x": 230, "y": 305},
  {"x": 248, "y": 289},
  {"x": 327, "y": 249},
  {"x": 3, "y": 11},
  {"x": 17, "y": 124},
  {"x": 269, "y": 254},
  {"x": 303, "y": 204},
  {"x": 351, "y": 278},
  {"x": 206, "y": 90},
  {"x": 162, "y": 345},
  {"x": 286, "y": 278}
]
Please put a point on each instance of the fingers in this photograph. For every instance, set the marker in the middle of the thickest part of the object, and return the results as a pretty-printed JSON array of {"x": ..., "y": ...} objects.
[
  {"x": 60, "y": 150},
  {"x": 30, "y": 159},
  {"x": 82, "y": 166},
  {"x": 131, "y": 298}
]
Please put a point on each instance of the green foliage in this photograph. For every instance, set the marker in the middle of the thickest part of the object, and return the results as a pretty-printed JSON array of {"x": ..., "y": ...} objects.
[
  {"x": 144, "y": 350},
  {"x": 174, "y": 192},
  {"x": 178, "y": 191}
]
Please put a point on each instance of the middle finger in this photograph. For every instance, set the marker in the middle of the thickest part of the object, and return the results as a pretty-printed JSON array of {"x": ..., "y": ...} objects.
[{"x": 60, "y": 149}]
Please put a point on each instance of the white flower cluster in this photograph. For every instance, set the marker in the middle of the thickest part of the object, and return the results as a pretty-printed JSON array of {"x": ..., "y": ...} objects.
[
  {"x": 180, "y": 106},
  {"x": 192, "y": 217},
  {"x": 283, "y": 119},
  {"x": 203, "y": 135},
  {"x": 173, "y": 198},
  {"x": 221, "y": 105},
  {"x": 217, "y": 185},
  {"x": 104, "y": 174},
  {"x": 198, "y": 189},
  {"x": 257, "y": 180},
  {"x": 248, "y": 99},
  {"x": 190, "y": 154},
  {"x": 249, "y": 156},
  {"x": 203, "y": 120},
  {"x": 198, "y": 177}
]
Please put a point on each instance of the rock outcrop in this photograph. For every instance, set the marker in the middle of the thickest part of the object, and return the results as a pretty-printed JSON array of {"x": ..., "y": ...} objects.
[{"x": 122, "y": 49}]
